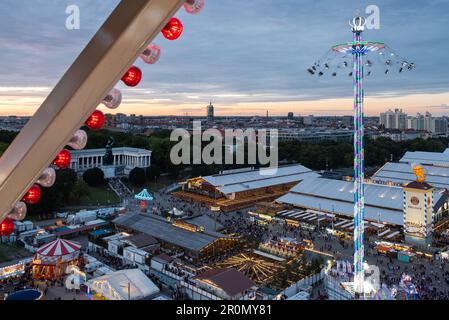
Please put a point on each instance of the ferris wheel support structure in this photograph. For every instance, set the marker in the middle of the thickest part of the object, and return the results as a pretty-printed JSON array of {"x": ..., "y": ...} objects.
[{"x": 118, "y": 43}]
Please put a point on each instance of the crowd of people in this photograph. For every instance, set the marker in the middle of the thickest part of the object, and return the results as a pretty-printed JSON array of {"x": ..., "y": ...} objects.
[{"x": 430, "y": 276}]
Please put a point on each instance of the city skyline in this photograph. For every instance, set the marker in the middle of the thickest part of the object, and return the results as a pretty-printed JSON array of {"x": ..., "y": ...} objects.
[{"x": 243, "y": 79}]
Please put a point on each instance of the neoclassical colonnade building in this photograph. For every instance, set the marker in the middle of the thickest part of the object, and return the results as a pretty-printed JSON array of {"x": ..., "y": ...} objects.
[{"x": 125, "y": 159}]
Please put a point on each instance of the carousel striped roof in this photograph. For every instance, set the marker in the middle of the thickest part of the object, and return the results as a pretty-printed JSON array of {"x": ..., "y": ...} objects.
[{"x": 59, "y": 247}]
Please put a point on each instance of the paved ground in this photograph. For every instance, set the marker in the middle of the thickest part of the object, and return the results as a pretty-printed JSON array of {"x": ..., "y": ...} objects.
[{"x": 60, "y": 293}]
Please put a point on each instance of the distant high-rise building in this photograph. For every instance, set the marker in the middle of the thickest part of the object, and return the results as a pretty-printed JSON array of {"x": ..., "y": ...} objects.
[
  {"x": 210, "y": 112},
  {"x": 393, "y": 119},
  {"x": 309, "y": 120},
  {"x": 348, "y": 120},
  {"x": 434, "y": 125},
  {"x": 290, "y": 116}
]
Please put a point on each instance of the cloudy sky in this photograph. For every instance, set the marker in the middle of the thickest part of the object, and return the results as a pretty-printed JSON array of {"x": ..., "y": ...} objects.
[{"x": 246, "y": 56}]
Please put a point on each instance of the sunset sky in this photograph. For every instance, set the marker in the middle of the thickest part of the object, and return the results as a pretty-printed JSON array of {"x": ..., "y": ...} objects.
[{"x": 246, "y": 56}]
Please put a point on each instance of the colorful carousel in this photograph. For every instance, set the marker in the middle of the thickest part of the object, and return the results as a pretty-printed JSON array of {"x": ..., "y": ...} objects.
[
  {"x": 53, "y": 259},
  {"x": 145, "y": 197}
]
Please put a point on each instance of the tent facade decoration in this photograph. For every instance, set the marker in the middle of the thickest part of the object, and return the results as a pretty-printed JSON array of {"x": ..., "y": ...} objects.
[{"x": 52, "y": 259}]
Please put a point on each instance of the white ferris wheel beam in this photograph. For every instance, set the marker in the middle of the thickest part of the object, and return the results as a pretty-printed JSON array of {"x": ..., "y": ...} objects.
[{"x": 115, "y": 47}]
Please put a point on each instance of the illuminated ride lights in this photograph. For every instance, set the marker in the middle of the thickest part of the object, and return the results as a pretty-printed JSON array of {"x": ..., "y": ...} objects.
[
  {"x": 33, "y": 195},
  {"x": 113, "y": 99},
  {"x": 47, "y": 178},
  {"x": 194, "y": 6},
  {"x": 62, "y": 160},
  {"x": 132, "y": 77},
  {"x": 171, "y": 31},
  {"x": 79, "y": 140},
  {"x": 95, "y": 121},
  {"x": 151, "y": 54},
  {"x": 19, "y": 212},
  {"x": 339, "y": 60},
  {"x": 6, "y": 227}
]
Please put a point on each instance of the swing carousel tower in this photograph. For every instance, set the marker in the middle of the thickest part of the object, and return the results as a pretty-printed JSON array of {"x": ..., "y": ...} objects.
[{"x": 359, "y": 54}]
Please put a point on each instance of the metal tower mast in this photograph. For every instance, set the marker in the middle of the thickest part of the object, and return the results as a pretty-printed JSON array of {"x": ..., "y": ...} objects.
[
  {"x": 358, "y": 25},
  {"x": 339, "y": 59}
]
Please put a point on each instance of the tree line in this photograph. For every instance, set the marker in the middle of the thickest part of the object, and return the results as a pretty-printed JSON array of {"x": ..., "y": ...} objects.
[
  {"x": 68, "y": 189},
  {"x": 335, "y": 155}
]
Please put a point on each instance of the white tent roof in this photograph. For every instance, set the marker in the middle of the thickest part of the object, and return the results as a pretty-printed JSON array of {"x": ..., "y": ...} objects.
[
  {"x": 422, "y": 157},
  {"x": 114, "y": 286},
  {"x": 249, "y": 180},
  {"x": 403, "y": 173},
  {"x": 384, "y": 203}
]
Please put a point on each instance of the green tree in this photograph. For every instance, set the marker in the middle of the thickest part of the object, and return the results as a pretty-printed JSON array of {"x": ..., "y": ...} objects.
[
  {"x": 152, "y": 172},
  {"x": 137, "y": 177},
  {"x": 94, "y": 177},
  {"x": 80, "y": 189},
  {"x": 56, "y": 197}
]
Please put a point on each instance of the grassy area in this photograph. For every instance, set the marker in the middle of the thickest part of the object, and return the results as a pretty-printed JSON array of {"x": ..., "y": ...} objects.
[{"x": 100, "y": 196}]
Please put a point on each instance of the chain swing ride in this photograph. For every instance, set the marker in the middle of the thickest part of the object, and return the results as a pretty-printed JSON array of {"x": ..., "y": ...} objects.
[{"x": 351, "y": 59}]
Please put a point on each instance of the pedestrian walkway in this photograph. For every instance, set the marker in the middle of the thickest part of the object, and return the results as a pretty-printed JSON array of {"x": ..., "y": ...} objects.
[{"x": 119, "y": 188}]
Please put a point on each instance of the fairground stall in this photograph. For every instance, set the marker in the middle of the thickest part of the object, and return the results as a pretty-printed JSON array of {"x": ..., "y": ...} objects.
[
  {"x": 53, "y": 259},
  {"x": 14, "y": 270}
]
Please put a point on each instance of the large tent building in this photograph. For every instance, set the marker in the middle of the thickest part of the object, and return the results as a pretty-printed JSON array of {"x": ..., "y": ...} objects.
[
  {"x": 383, "y": 203},
  {"x": 401, "y": 173},
  {"x": 130, "y": 284},
  {"x": 427, "y": 158},
  {"x": 396, "y": 195},
  {"x": 195, "y": 238},
  {"x": 435, "y": 165},
  {"x": 237, "y": 189}
]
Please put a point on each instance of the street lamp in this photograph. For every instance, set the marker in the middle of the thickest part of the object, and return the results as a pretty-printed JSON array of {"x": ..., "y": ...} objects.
[
  {"x": 333, "y": 217},
  {"x": 216, "y": 210},
  {"x": 319, "y": 206},
  {"x": 378, "y": 220}
]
